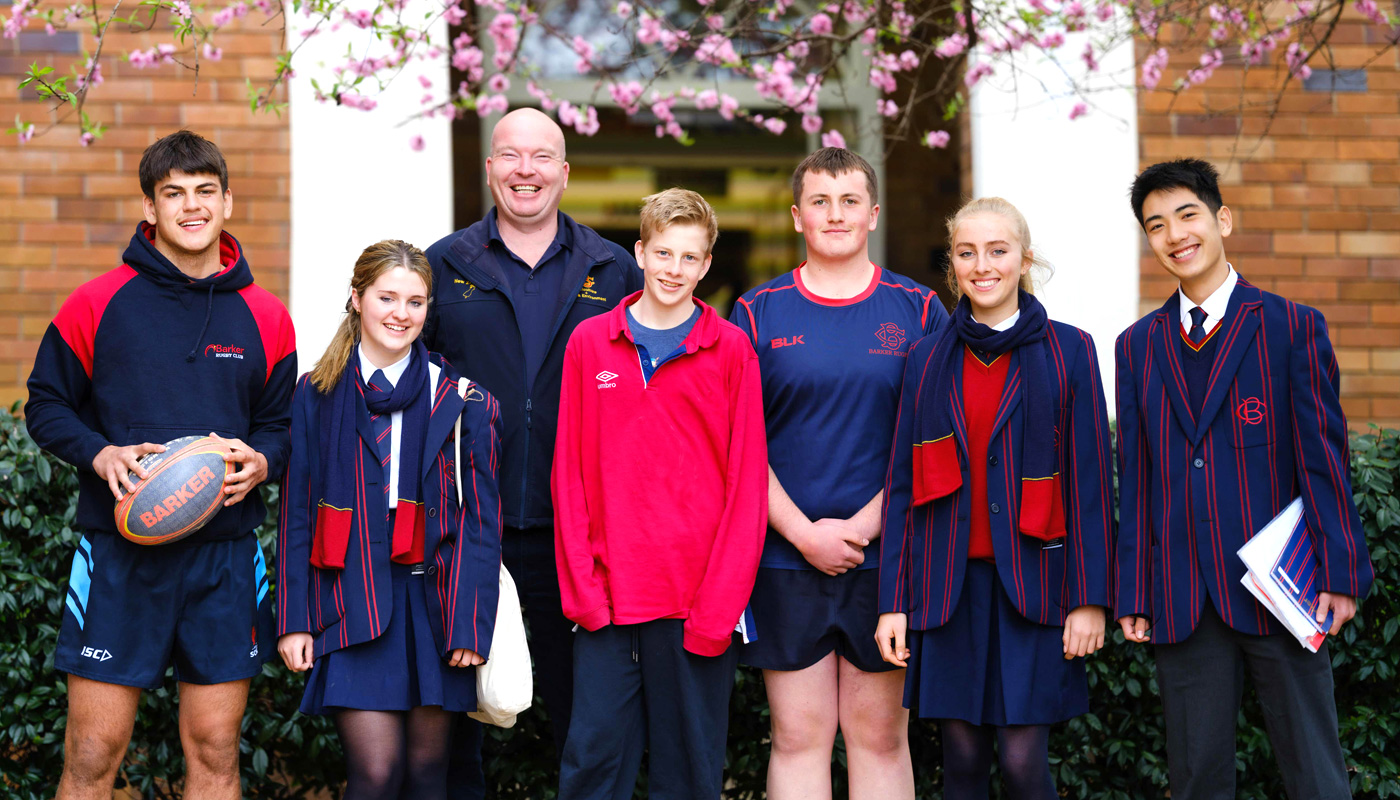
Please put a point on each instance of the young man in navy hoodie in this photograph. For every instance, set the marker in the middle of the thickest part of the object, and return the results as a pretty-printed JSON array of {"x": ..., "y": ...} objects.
[{"x": 177, "y": 341}]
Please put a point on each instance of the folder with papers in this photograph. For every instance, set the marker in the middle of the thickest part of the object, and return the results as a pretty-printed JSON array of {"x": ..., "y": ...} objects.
[{"x": 1282, "y": 574}]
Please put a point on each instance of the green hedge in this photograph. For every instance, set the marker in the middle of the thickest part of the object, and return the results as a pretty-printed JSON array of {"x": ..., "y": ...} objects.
[{"x": 1117, "y": 751}]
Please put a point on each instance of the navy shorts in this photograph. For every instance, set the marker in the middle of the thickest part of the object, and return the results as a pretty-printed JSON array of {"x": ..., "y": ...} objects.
[
  {"x": 802, "y": 615},
  {"x": 134, "y": 610}
]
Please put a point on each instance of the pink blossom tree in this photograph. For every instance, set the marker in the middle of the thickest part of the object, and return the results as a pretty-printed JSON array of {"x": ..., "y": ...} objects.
[{"x": 650, "y": 57}]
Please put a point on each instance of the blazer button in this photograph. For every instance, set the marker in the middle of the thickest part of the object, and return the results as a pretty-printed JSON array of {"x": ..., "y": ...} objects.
[
  {"x": 996, "y": 509},
  {"x": 992, "y": 460},
  {"x": 1198, "y": 463},
  {"x": 432, "y": 569},
  {"x": 432, "y": 512}
]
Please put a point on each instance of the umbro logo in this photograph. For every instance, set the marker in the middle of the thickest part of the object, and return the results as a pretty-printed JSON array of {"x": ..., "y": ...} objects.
[{"x": 605, "y": 379}]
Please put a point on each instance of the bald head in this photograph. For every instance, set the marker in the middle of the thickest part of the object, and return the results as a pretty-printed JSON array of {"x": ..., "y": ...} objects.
[
  {"x": 526, "y": 172},
  {"x": 528, "y": 125}
]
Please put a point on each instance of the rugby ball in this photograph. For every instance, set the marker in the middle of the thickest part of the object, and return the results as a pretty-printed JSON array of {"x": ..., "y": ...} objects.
[{"x": 183, "y": 490}]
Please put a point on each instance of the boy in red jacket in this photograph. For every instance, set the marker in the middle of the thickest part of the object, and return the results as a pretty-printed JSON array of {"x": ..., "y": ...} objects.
[{"x": 660, "y": 504}]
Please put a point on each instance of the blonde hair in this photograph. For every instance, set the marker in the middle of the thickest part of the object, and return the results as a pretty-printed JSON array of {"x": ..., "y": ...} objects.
[
  {"x": 377, "y": 259},
  {"x": 1040, "y": 268},
  {"x": 678, "y": 207}
]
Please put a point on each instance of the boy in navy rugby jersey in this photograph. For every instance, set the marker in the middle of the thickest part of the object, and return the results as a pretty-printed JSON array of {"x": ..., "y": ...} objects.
[
  {"x": 100, "y": 397},
  {"x": 1227, "y": 410},
  {"x": 660, "y": 497},
  {"x": 832, "y": 337}
]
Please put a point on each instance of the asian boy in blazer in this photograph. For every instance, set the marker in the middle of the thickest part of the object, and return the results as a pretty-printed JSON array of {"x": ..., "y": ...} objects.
[{"x": 1227, "y": 410}]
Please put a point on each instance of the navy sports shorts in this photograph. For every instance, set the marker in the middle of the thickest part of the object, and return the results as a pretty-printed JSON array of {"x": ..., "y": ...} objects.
[
  {"x": 803, "y": 614},
  {"x": 133, "y": 610}
]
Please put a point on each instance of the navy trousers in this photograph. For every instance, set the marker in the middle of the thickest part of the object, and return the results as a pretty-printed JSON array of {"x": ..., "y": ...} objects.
[
  {"x": 1202, "y": 683},
  {"x": 645, "y": 692},
  {"x": 529, "y": 555}
]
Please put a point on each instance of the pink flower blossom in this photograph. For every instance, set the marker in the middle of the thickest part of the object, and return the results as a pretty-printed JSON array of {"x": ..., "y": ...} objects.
[
  {"x": 26, "y": 132},
  {"x": 1152, "y": 67},
  {"x": 716, "y": 49},
  {"x": 584, "y": 50},
  {"x": 1090, "y": 62},
  {"x": 354, "y": 100},
  {"x": 977, "y": 73},
  {"x": 798, "y": 51},
  {"x": 1079, "y": 110},
  {"x": 775, "y": 126},
  {"x": 626, "y": 95},
  {"x": 1371, "y": 11},
  {"x": 488, "y": 104},
  {"x": 811, "y": 123},
  {"x": 937, "y": 139},
  {"x": 649, "y": 31},
  {"x": 1104, "y": 12},
  {"x": 86, "y": 139},
  {"x": 714, "y": 22},
  {"x": 425, "y": 82},
  {"x": 181, "y": 9},
  {"x": 361, "y": 18},
  {"x": 623, "y": 9},
  {"x": 498, "y": 83},
  {"x": 1297, "y": 56},
  {"x": 833, "y": 138},
  {"x": 952, "y": 46},
  {"x": 212, "y": 53},
  {"x": 416, "y": 144},
  {"x": 454, "y": 14},
  {"x": 887, "y": 108},
  {"x": 1052, "y": 40},
  {"x": 821, "y": 25},
  {"x": 728, "y": 106}
]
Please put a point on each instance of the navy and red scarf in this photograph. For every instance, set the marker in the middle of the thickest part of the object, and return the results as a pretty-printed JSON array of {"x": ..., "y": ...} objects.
[
  {"x": 937, "y": 472},
  {"x": 343, "y": 474}
]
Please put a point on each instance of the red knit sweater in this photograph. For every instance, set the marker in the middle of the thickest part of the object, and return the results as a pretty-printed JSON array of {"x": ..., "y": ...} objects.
[{"x": 982, "y": 388}]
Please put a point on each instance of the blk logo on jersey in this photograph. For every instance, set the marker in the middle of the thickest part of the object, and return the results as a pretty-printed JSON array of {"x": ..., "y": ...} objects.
[
  {"x": 891, "y": 338},
  {"x": 790, "y": 341},
  {"x": 605, "y": 379},
  {"x": 1251, "y": 410},
  {"x": 223, "y": 351}
]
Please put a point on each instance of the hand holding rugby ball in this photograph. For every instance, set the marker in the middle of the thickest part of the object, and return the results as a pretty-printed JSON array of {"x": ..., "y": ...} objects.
[{"x": 183, "y": 490}]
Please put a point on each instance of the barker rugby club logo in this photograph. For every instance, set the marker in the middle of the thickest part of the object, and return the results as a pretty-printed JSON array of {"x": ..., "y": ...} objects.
[
  {"x": 223, "y": 351},
  {"x": 892, "y": 338}
]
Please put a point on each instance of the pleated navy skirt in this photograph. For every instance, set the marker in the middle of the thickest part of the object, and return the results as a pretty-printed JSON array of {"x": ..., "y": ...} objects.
[
  {"x": 991, "y": 666},
  {"x": 398, "y": 671}
]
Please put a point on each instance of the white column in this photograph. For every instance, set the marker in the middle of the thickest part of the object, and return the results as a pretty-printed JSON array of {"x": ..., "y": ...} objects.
[
  {"x": 1070, "y": 179},
  {"x": 354, "y": 178}
]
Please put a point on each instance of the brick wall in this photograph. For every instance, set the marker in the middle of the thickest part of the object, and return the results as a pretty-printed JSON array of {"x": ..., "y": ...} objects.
[
  {"x": 1315, "y": 192},
  {"x": 66, "y": 212}
]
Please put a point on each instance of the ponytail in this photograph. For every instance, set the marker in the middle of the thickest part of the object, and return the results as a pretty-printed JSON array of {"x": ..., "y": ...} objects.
[{"x": 328, "y": 370}]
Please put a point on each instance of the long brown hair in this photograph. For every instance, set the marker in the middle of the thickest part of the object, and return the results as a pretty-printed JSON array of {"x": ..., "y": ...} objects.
[{"x": 376, "y": 260}]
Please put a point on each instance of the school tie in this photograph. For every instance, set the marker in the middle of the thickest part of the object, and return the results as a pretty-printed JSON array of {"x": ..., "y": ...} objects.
[
  {"x": 383, "y": 423},
  {"x": 1198, "y": 330}
]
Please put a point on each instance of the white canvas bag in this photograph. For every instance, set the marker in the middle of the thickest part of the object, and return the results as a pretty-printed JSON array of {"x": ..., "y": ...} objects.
[{"x": 504, "y": 686}]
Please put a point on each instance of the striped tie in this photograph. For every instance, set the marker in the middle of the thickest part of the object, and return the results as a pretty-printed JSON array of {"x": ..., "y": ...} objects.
[
  {"x": 1198, "y": 330},
  {"x": 383, "y": 423}
]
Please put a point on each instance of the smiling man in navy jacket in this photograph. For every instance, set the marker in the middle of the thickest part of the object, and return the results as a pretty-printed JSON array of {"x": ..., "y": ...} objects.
[
  {"x": 507, "y": 293},
  {"x": 1227, "y": 410},
  {"x": 178, "y": 341}
]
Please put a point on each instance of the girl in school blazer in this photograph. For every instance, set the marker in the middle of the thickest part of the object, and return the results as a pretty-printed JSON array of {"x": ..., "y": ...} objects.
[
  {"x": 389, "y": 534},
  {"x": 994, "y": 573}
]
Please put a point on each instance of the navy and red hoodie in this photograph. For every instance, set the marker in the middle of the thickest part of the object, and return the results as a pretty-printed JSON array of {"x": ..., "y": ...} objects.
[
  {"x": 145, "y": 354},
  {"x": 660, "y": 486}
]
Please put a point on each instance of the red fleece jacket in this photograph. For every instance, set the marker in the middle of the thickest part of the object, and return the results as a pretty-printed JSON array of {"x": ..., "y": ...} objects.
[{"x": 660, "y": 488}]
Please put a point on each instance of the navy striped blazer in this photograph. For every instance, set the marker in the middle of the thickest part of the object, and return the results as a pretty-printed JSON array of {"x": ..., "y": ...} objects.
[
  {"x": 461, "y": 544},
  {"x": 923, "y": 553},
  {"x": 1193, "y": 489}
]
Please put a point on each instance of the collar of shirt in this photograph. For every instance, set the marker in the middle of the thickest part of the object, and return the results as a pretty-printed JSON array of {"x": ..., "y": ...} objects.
[
  {"x": 1214, "y": 306},
  {"x": 563, "y": 238},
  {"x": 1005, "y": 324},
  {"x": 393, "y": 372}
]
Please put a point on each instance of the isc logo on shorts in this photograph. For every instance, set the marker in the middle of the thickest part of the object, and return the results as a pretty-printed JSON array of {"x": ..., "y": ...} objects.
[{"x": 100, "y": 655}]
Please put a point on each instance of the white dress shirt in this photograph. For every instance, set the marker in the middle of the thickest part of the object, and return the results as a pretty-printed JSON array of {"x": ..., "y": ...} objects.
[
  {"x": 394, "y": 372},
  {"x": 1214, "y": 306}
]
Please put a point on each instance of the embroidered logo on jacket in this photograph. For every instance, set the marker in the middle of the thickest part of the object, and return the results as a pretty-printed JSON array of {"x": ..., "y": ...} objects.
[
  {"x": 467, "y": 292},
  {"x": 605, "y": 379},
  {"x": 587, "y": 293},
  {"x": 223, "y": 351},
  {"x": 1251, "y": 410}
]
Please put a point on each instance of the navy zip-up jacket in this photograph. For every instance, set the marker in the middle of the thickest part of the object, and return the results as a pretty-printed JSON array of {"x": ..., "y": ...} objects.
[
  {"x": 144, "y": 354},
  {"x": 473, "y": 324}
]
